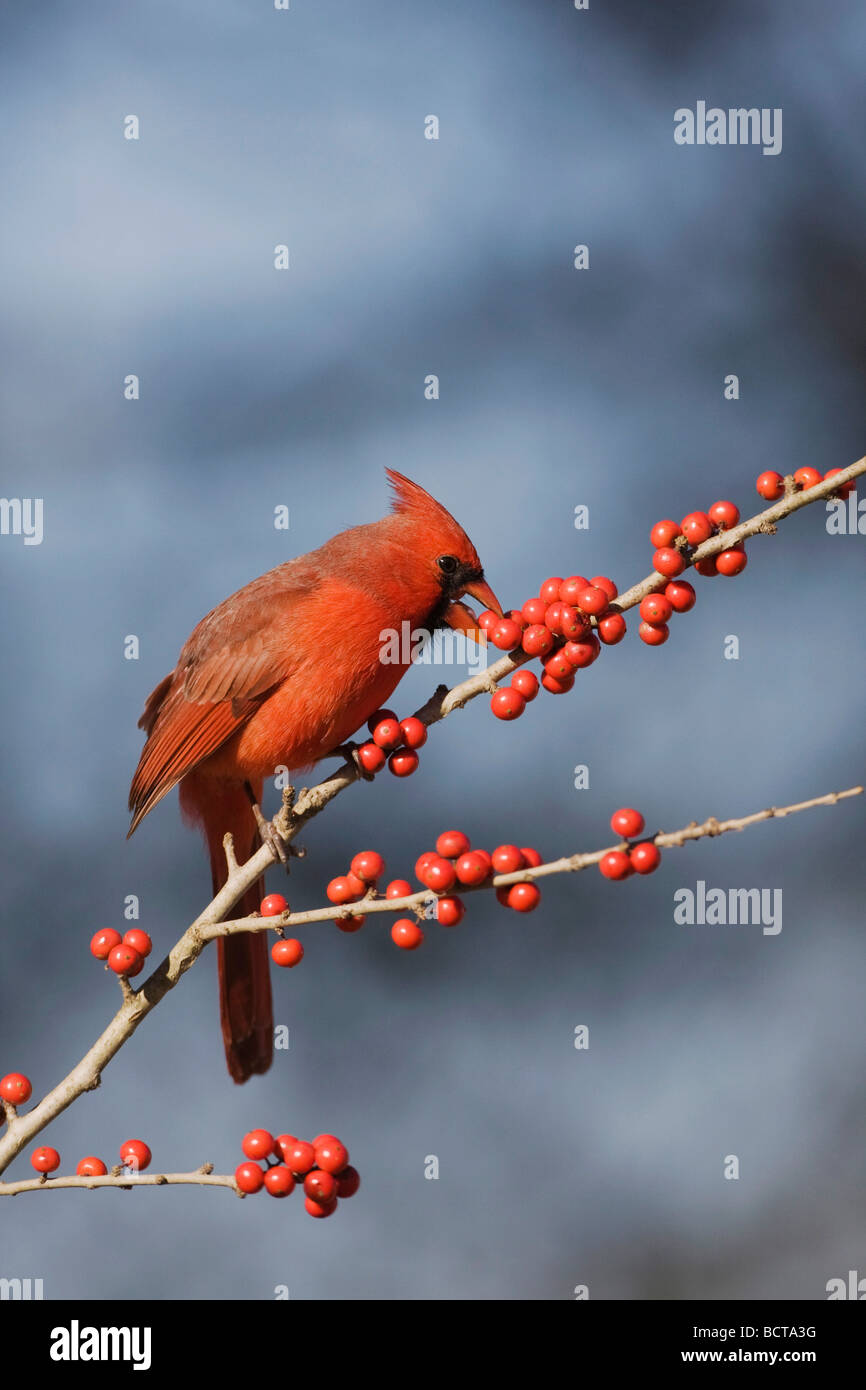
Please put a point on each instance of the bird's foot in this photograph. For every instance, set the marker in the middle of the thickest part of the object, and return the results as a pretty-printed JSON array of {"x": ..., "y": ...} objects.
[{"x": 268, "y": 833}]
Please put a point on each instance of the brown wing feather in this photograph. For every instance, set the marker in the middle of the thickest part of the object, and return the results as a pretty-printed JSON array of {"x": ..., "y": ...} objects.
[
  {"x": 232, "y": 659},
  {"x": 182, "y": 736}
]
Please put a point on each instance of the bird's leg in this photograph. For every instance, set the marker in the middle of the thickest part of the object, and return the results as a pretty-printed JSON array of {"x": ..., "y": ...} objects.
[
  {"x": 349, "y": 751},
  {"x": 267, "y": 833}
]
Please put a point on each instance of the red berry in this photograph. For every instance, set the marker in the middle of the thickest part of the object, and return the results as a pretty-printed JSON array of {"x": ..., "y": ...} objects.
[
  {"x": 341, "y": 890},
  {"x": 45, "y": 1159},
  {"x": 368, "y": 866},
  {"x": 249, "y": 1177},
  {"x": 531, "y": 857},
  {"x": 616, "y": 864},
  {"x": 600, "y": 581},
  {"x": 771, "y": 485},
  {"x": 290, "y": 952},
  {"x": 571, "y": 587},
  {"x": 398, "y": 888},
  {"x": 553, "y": 617},
  {"x": 846, "y": 488},
  {"x": 611, "y": 628},
  {"x": 592, "y": 600},
  {"x": 522, "y": 897},
  {"x": 655, "y": 609},
  {"x": 654, "y": 634},
  {"x": 283, "y": 1144},
  {"x": 696, "y": 527},
  {"x": 680, "y": 595},
  {"x": 525, "y": 683},
  {"x": 348, "y": 1182},
  {"x": 138, "y": 940},
  {"x": 506, "y": 635},
  {"x": 91, "y": 1168},
  {"x": 507, "y": 859},
  {"x": 516, "y": 616},
  {"x": 136, "y": 1155},
  {"x": 724, "y": 514},
  {"x": 807, "y": 477},
  {"x": 450, "y": 911},
  {"x": 668, "y": 562},
  {"x": 349, "y": 924},
  {"x": 279, "y": 1181},
  {"x": 15, "y": 1088},
  {"x": 557, "y": 685},
  {"x": 378, "y": 717},
  {"x": 731, "y": 562},
  {"x": 581, "y": 654},
  {"x": 273, "y": 905},
  {"x": 104, "y": 942},
  {"x": 300, "y": 1158},
  {"x": 371, "y": 758},
  {"x": 627, "y": 822},
  {"x": 508, "y": 703},
  {"x": 323, "y": 1139},
  {"x": 707, "y": 567},
  {"x": 487, "y": 619},
  {"x": 320, "y": 1187},
  {"x": 573, "y": 624},
  {"x": 414, "y": 732},
  {"x": 403, "y": 763},
  {"x": 123, "y": 960},
  {"x": 537, "y": 640},
  {"x": 421, "y": 863},
  {"x": 258, "y": 1143},
  {"x": 472, "y": 868},
  {"x": 558, "y": 666},
  {"x": 452, "y": 843},
  {"x": 486, "y": 859},
  {"x": 331, "y": 1156},
  {"x": 388, "y": 734},
  {"x": 534, "y": 610},
  {"x": 549, "y": 590},
  {"x": 664, "y": 533},
  {"x": 319, "y": 1209},
  {"x": 645, "y": 857},
  {"x": 439, "y": 874},
  {"x": 407, "y": 934}
]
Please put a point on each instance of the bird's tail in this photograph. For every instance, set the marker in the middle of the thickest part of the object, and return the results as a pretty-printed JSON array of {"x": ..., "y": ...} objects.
[{"x": 246, "y": 1010}]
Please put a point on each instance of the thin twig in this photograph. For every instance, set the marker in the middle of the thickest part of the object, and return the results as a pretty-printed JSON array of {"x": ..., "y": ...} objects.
[{"x": 125, "y": 1182}]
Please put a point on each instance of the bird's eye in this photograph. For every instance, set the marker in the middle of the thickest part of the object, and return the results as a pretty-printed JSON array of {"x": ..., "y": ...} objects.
[{"x": 447, "y": 563}]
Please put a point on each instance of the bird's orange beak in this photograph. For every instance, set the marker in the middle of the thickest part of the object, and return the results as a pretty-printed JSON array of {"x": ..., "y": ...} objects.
[
  {"x": 485, "y": 595},
  {"x": 462, "y": 619}
]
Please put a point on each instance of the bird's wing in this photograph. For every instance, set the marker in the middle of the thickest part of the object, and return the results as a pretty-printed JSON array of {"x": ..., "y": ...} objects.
[{"x": 236, "y": 655}]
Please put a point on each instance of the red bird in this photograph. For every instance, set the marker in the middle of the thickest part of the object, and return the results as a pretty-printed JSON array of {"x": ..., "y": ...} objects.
[{"x": 279, "y": 675}]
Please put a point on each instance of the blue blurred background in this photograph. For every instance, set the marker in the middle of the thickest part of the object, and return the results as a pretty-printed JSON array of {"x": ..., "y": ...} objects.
[{"x": 558, "y": 388}]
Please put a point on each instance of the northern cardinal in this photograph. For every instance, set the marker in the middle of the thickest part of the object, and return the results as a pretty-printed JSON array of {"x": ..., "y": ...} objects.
[{"x": 281, "y": 674}]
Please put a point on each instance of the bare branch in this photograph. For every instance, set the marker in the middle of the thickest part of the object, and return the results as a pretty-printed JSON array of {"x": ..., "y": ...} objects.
[{"x": 126, "y": 1182}]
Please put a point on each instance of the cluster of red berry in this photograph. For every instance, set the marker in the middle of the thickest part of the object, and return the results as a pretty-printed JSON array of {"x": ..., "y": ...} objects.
[
  {"x": 555, "y": 625},
  {"x": 134, "y": 1155},
  {"x": 322, "y": 1166},
  {"x": 123, "y": 954},
  {"x": 394, "y": 741},
  {"x": 454, "y": 862},
  {"x": 771, "y": 485},
  {"x": 641, "y": 858}
]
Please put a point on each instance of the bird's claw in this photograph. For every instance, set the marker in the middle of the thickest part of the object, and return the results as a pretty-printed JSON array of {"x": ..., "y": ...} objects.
[{"x": 268, "y": 833}]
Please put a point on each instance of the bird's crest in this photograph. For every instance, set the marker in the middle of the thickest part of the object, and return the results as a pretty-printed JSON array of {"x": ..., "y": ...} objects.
[{"x": 411, "y": 500}]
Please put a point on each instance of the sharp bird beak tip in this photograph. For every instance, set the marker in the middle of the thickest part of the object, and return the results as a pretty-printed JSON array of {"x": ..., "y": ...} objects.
[{"x": 482, "y": 591}]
